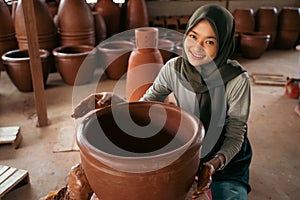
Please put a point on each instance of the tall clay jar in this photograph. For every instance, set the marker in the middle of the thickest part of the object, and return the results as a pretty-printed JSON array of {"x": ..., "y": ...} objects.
[
  {"x": 75, "y": 23},
  {"x": 244, "y": 20},
  {"x": 47, "y": 32},
  {"x": 7, "y": 31},
  {"x": 144, "y": 63},
  {"x": 46, "y": 29},
  {"x": 136, "y": 14},
  {"x": 111, "y": 12}
]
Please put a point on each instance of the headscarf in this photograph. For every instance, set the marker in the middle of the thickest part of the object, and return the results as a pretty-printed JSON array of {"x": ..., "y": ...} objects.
[{"x": 208, "y": 80}]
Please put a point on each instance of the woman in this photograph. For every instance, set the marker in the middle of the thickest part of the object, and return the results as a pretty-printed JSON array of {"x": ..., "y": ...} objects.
[{"x": 207, "y": 83}]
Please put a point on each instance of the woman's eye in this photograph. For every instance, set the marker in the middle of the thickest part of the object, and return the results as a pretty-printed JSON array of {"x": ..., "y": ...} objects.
[
  {"x": 193, "y": 36},
  {"x": 210, "y": 42}
]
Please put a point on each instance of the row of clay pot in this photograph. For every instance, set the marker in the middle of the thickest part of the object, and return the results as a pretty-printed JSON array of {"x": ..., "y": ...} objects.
[{"x": 283, "y": 26}]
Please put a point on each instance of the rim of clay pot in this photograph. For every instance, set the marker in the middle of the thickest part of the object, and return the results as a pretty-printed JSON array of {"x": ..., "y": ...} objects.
[
  {"x": 116, "y": 46},
  {"x": 14, "y": 55},
  {"x": 73, "y": 50},
  {"x": 248, "y": 35},
  {"x": 121, "y": 162},
  {"x": 165, "y": 44}
]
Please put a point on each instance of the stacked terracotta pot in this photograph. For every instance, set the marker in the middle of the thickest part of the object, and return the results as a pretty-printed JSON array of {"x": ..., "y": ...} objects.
[
  {"x": 266, "y": 20},
  {"x": 288, "y": 27},
  {"x": 7, "y": 31},
  {"x": 46, "y": 29},
  {"x": 244, "y": 20},
  {"x": 75, "y": 23}
]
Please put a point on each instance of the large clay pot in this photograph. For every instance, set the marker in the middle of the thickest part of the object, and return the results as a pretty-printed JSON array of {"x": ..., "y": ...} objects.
[
  {"x": 100, "y": 27},
  {"x": 7, "y": 31},
  {"x": 144, "y": 63},
  {"x": 76, "y": 64},
  {"x": 156, "y": 158},
  {"x": 136, "y": 14},
  {"x": 75, "y": 23},
  {"x": 244, "y": 20},
  {"x": 266, "y": 20},
  {"x": 288, "y": 27},
  {"x": 17, "y": 65},
  {"x": 46, "y": 29},
  {"x": 111, "y": 12},
  {"x": 115, "y": 55},
  {"x": 254, "y": 44}
]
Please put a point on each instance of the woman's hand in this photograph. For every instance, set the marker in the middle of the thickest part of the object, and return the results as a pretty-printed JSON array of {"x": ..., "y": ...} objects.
[
  {"x": 204, "y": 179},
  {"x": 95, "y": 101}
]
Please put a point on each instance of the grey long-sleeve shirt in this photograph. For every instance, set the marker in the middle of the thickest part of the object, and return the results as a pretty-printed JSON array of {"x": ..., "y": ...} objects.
[{"x": 237, "y": 93}]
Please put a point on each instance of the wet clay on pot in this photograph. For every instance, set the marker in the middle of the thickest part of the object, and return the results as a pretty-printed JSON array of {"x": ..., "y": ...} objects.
[
  {"x": 145, "y": 62},
  {"x": 17, "y": 65},
  {"x": 129, "y": 163},
  {"x": 76, "y": 64}
]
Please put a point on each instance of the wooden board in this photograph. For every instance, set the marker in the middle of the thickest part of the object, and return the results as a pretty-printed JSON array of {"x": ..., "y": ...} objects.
[
  {"x": 11, "y": 178},
  {"x": 10, "y": 134},
  {"x": 269, "y": 79}
]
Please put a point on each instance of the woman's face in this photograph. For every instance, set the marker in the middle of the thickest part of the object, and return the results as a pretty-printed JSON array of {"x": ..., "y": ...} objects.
[{"x": 201, "y": 44}]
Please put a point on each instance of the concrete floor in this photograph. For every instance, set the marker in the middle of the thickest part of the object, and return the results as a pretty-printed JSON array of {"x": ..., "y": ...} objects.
[{"x": 274, "y": 131}]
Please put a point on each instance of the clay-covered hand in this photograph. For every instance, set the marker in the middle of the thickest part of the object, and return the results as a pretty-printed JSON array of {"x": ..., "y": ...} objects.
[
  {"x": 204, "y": 179},
  {"x": 95, "y": 101}
]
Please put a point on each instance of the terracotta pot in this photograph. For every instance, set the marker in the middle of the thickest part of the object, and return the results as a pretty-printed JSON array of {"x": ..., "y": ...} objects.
[
  {"x": 254, "y": 44},
  {"x": 47, "y": 32},
  {"x": 286, "y": 39},
  {"x": 289, "y": 18},
  {"x": 75, "y": 23},
  {"x": 7, "y": 31},
  {"x": 76, "y": 64},
  {"x": 100, "y": 27},
  {"x": 266, "y": 18},
  {"x": 111, "y": 12},
  {"x": 166, "y": 48},
  {"x": 115, "y": 55},
  {"x": 244, "y": 20},
  {"x": 138, "y": 164},
  {"x": 136, "y": 14},
  {"x": 17, "y": 65},
  {"x": 144, "y": 63}
]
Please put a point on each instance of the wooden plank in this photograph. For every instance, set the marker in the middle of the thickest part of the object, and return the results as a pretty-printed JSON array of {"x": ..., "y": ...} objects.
[
  {"x": 269, "y": 79},
  {"x": 11, "y": 178},
  {"x": 35, "y": 62},
  {"x": 11, "y": 135}
]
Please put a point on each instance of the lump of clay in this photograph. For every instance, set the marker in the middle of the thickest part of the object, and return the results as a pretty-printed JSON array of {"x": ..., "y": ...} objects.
[{"x": 78, "y": 186}]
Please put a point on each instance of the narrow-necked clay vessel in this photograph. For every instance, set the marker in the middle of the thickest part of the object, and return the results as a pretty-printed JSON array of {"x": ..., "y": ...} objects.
[
  {"x": 136, "y": 14},
  {"x": 144, "y": 63},
  {"x": 76, "y": 64},
  {"x": 75, "y": 23},
  {"x": 111, "y": 12},
  {"x": 156, "y": 158},
  {"x": 17, "y": 65}
]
